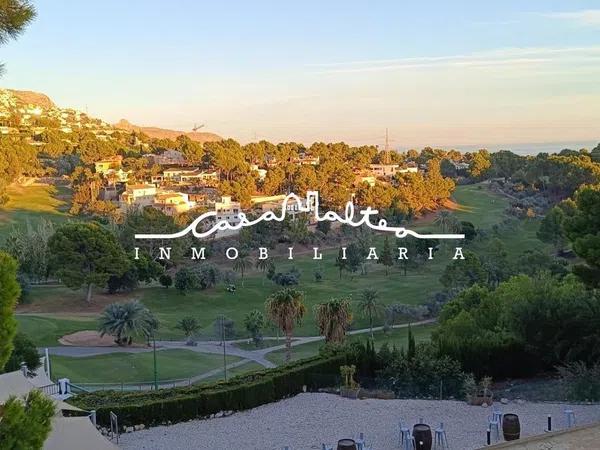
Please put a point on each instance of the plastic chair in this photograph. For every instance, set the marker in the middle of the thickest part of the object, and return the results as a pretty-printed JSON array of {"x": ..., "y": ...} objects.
[
  {"x": 494, "y": 426},
  {"x": 402, "y": 431},
  {"x": 570, "y": 418},
  {"x": 408, "y": 441},
  {"x": 497, "y": 414},
  {"x": 441, "y": 440}
]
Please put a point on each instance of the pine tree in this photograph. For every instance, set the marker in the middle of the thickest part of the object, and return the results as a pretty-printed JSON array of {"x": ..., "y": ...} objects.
[
  {"x": 386, "y": 256},
  {"x": 340, "y": 262}
]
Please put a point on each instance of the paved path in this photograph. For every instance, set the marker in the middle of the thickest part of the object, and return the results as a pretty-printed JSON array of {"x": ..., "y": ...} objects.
[{"x": 258, "y": 356}]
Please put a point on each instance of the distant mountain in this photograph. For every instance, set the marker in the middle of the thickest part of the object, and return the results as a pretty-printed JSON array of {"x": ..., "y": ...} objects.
[{"x": 163, "y": 133}]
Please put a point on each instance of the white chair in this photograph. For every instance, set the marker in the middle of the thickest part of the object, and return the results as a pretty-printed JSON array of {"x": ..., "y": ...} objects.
[
  {"x": 494, "y": 426},
  {"x": 570, "y": 418},
  {"x": 408, "y": 441},
  {"x": 402, "y": 432},
  {"x": 441, "y": 440}
]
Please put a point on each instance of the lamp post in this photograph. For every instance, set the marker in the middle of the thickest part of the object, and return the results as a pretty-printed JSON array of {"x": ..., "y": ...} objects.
[
  {"x": 155, "y": 366},
  {"x": 224, "y": 347}
]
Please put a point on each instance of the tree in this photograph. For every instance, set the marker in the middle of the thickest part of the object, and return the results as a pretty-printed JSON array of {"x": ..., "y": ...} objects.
[
  {"x": 355, "y": 258},
  {"x": 190, "y": 327},
  {"x": 85, "y": 254},
  {"x": 340, "y": 262},
  {"x": 386, "y": 256},
  {"x": 369, "y": 306},
  {"x": 254, "y": 323},
  {"x": 461, "y": 274},
  {"x": 24, "y": 351},
  {"x": 446, "y": 221},
  {"x": 551, "y": 228},
  {"x": 333, "y": 319},
  {"x": 25, "y": 423},
  {"x": 224, "y": 327},
  {"x": 286, "y": 308},
  {"x": 165, "y": 280},
  {"x": 241, "y": 265},
  {"x": 583, "y": 230},
  {"x": 15, "y": 15},
  {"x": 9, "y": 294},
  {"x": 263, "y": 265},
  {"x": 185, "y": 280},
  {"x": 124, "y": 321}
]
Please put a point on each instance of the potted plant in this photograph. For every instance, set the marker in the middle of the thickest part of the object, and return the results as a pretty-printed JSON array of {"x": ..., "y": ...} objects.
[
  {"x": 478, "y": 393},
  {"x": 350, "y": 388}
]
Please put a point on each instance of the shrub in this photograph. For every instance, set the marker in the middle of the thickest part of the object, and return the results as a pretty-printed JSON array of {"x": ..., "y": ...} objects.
[
  {"x": 581, "y": 382},
  {"x": 239, "y": 393},
  {"x": 24, "y": 351}
]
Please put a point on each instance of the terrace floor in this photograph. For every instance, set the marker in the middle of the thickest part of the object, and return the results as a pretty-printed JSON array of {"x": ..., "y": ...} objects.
[{"x": 306, "y": 421}]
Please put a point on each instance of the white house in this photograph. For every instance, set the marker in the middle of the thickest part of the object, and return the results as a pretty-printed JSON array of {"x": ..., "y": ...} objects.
[{"x": 138, "y": 195}]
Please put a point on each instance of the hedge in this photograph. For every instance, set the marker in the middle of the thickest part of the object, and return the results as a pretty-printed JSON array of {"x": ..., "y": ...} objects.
[{"x": 239, "y": 393}]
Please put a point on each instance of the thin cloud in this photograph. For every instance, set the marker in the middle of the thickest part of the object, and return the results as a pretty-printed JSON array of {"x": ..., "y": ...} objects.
[
  {"x": 492, "y": 58},
  {"x": 588, "y": 17}
]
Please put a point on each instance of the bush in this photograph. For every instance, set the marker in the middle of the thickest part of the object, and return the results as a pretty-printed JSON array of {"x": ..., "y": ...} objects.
[
  {"x": 24, "y": 351},
  {"x": 423, "y": 374},
  {"x": 239, "y": 393},
  {"x": 580, "y": 382}
]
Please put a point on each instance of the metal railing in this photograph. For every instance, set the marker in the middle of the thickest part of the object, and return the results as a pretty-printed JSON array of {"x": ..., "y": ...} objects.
[{"x": 135, "y": 386}]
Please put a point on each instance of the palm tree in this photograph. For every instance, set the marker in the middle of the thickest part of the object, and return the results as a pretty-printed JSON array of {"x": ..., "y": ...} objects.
[
  {"x": 369, "y": 305},
  {"x": 126, "y": 320},
  {"x": 446, "y": 221},
  {"x": 242, "y": 264},
  {"x": 333, "y": 319},
  {"x": 286, "y": 308},
  {"x": 190, "y": 327},
  {"x": 263, "y": 265}
]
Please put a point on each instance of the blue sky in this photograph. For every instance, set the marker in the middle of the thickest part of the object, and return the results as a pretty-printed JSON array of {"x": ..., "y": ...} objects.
[{"x": 461, "y": 74}]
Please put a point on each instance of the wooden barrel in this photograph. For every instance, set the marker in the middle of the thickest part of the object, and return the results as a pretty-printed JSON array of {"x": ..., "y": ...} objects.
[
  {"x": 422, "y": 435},
  {"x": 346, "y": 444},
  {"x": 511, "y": 428}
]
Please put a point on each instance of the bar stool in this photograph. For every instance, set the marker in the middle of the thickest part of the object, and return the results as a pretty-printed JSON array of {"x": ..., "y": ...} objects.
[
  {"x": 441, "y": 440},
  {"x": 408, "y": 441},
  {"x": 570, "y": 417},
  {"x": 494, "y": 425}
]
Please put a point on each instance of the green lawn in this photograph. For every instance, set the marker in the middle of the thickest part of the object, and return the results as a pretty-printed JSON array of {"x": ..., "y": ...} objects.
[
  {"x": 135, "y": 367},
  {"x": 31, "y": 203},
  {"x": 45, "y": 330},
  {"x": 475, "y": 204},
  {"x": 397, "y": 337}
]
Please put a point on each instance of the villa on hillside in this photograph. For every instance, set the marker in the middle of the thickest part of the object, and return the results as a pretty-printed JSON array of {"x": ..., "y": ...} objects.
[
  {"x": 106, "y": 164},
  {"x": 172, "y": 203},
  {"x": 186, "y": 175},
  {"x": 138, "y": 195},
  {"x": 389, "y": 170}
]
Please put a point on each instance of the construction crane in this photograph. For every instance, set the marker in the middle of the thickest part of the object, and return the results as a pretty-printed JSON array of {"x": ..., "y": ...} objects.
[{"x": 196, "y": 127}]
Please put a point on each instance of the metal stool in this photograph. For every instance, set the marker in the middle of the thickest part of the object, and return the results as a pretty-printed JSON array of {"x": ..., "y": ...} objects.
[
  {"x": 441, "y": 440},
  {"x": 494, "y": 425},
  {"x": 570, "y": 418}
]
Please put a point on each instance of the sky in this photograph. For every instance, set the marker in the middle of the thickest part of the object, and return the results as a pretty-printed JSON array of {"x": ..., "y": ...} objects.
[{"x": 462, "y": 74}]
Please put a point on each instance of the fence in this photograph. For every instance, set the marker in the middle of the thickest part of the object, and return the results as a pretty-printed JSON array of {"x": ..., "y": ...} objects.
[{"x": 136, "y": 386}]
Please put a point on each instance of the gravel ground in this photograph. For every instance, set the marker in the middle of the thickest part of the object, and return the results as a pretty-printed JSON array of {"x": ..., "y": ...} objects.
[{"x": 307, "y": 420}]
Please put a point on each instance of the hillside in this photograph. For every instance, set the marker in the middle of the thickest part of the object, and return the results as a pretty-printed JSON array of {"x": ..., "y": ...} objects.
[
  {"x": 163, "y": 133},
  {"x": 33, "y": 98}
]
